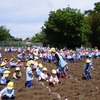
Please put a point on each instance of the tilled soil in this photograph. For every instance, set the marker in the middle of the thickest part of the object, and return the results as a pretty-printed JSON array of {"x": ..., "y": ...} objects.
[{"x": 71, "y": 88}]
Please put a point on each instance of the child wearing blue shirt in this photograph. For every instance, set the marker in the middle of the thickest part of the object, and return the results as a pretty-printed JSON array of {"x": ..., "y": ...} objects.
[
  {"x": 29, "y": 75},
  {"x": 2, "y": 69},
  {"x": 87, "y": 70},
  {"x": 5, "y": 78},
  {"x": 12, "y": 63},
  {"x": 31, "y": 57},
  {"x": 19, "y": 56},
  {"x": 7, "y": 92},
  {"x": 39, "y": 69}
]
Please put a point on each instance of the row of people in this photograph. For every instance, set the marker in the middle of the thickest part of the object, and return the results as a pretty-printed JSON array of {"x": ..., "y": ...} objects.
[
  {"x": 68, "y": 55},
  {"x": 41, "y": 73},
  {"x": 11, "y": 63}
]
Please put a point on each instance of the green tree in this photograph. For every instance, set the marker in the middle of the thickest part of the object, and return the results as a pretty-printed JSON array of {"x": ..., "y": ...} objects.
[
  {"x": 27, "y": 39},
  {"x": 93, "y": 17},
  {"x": 39, "y": 37},
  {"x": 66, "y": 27},
  {"x": 4, "y": 34}
]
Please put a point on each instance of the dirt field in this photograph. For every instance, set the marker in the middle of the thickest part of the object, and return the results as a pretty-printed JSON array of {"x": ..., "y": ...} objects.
[{"x": 72, "y": 88}]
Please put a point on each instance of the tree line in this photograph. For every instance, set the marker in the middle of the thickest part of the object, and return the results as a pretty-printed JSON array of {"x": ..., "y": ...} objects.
[{"x": 6, "y": 36}]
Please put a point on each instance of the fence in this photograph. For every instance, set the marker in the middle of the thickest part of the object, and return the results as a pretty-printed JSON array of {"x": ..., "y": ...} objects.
[{"x": 19, "y": 43}]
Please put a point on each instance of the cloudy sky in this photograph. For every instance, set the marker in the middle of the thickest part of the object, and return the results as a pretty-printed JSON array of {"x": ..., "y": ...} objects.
[{"x": 24, "y": 18}]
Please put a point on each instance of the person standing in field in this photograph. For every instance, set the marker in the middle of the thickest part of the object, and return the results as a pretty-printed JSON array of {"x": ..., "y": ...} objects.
[
  {"x": 29, "y": 75},
  {"x": 60, "y": 62},
  {"x": 87, "y": 70}
]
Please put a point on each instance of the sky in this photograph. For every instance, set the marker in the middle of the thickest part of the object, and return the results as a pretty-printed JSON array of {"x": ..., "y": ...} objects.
[{"x": 24, "y": 18}]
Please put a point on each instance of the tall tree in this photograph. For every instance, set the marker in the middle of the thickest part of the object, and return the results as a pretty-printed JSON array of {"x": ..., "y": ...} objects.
[
  {"x": 93, "y": 17},
  {"x": 66, "y": 27},
  {"x": 4, "y": 34}
]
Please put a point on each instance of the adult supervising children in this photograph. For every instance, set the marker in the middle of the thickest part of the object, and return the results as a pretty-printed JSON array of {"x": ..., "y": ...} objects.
[{"x": 60, "y": 61}]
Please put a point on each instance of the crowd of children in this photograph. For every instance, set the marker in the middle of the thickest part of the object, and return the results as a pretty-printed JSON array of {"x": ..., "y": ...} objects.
[{"x": 33, "y": 58}]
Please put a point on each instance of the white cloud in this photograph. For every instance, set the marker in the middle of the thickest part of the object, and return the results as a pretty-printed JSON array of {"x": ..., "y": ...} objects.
[
  {"x": 26, "y": 17},
  {"x": 24, "y": 30}
]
